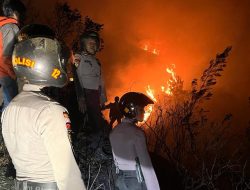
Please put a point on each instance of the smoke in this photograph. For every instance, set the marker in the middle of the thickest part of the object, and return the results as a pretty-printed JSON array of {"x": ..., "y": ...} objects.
[{"x": 187, "y": 34}]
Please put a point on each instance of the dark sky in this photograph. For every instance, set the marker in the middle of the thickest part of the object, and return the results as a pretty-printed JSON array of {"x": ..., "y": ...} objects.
[{"x": 187, "y": 33}]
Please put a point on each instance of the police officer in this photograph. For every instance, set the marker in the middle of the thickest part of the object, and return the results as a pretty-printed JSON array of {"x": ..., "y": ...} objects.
[
  {"x": 88, "y": 69},
  {"x": 134, "y": 167},
  {"x": 34, "y": 126}
]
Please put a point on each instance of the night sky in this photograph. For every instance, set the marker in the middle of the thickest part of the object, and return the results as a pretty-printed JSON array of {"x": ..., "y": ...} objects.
[{"x": 187, "y": 33}]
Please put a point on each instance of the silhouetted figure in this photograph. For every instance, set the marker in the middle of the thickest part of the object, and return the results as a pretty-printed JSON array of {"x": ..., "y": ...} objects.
[{"x": 114, "y": 111}]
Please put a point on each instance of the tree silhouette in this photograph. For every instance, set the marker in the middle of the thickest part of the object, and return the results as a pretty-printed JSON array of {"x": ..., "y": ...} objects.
[{"x": 66, "y": 22}]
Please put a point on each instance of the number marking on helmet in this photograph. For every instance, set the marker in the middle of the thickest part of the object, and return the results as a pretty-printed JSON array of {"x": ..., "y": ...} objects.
[
  {"x": 22, "y": 61},
  {"x": 55, "y": 74}
]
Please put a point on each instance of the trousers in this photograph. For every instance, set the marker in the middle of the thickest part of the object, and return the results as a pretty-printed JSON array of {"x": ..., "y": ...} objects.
[{"x": 95, "y": 117}]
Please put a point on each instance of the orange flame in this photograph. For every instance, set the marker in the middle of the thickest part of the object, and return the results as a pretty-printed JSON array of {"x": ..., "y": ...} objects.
[
  {"x": 150, "y": 49},
  {"x": 155, "y": 51},
  {"x": 166, "y": 89},
  {"x": 171, "y": 71},
  {"x": 149, "y": 109},
  {"x": 150, "y": 93},
  {"x": 145, "y": 48}
]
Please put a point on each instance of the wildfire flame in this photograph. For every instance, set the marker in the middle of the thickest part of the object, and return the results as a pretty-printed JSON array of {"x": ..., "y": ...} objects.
[
  {"x": 147, "y": 113},
  {"x": 150, "y": 93},
  {"x": 145, "y": 48},
  {"x": 169, "y": 88},
  {"x": 156, "y": 52},
  {"x": 171, "y": 71},
  {"x": 150, "y": 49},
  {"x": 166, "y": 89}
]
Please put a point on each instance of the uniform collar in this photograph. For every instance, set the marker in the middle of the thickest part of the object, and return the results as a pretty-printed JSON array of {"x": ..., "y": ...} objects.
[{"x": 32, "y": 87}]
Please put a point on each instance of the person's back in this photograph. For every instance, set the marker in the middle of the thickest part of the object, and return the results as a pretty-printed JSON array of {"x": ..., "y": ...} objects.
[
  {"x": 35, "y": 127},
  {"x": 123, "y": 139},
  {"x": 129, "y": 147},
  {"x": 23, "y": 127}
]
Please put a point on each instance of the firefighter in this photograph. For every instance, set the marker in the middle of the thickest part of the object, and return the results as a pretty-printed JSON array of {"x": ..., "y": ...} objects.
[
  {"x": 92, "y": 92},
  {"x": 131, "y": 157},
  {"x": 114, "y": 111},
  {"x": 34, "y": 126}
]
